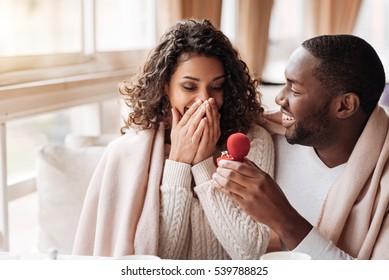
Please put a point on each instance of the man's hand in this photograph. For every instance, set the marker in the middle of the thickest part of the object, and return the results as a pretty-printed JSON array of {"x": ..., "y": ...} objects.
[{"x": 261, "y": 198}]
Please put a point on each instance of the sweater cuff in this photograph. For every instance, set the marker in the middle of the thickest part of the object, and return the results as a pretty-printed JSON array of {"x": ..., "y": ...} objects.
[
  {"x": 176, "y": 174},
  {"x": 202, "y": 171}
]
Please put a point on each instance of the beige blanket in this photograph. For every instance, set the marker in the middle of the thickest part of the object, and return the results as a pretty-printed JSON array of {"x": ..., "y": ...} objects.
[
  {"x": 121, "y": 209},
  {"x": 355, "y": 213}
]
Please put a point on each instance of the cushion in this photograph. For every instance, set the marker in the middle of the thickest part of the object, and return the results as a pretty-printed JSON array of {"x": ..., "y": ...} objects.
[
  {"x": 73, "y": 140},
  {"x": 63, "y": 175}
]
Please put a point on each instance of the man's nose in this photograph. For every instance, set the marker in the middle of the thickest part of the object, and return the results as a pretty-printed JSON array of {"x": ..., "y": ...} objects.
[{"x": 281, "y": 98}]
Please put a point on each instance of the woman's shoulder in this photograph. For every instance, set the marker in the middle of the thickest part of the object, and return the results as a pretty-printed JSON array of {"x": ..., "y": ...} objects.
[
  {"x": 120, "y": 141},
  {"x": 259, "y": 132},
  {"x": 135, "y": 141},
  {"x": 128, "y": 141},
  {"x": 262, "y": 149}
]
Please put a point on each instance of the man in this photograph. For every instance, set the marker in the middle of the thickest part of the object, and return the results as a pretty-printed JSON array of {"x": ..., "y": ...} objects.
[{"x": 332, "y": 192}]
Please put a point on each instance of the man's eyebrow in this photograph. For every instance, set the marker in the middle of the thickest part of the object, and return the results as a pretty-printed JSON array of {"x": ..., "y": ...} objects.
[{"x": 292, "y": 81}]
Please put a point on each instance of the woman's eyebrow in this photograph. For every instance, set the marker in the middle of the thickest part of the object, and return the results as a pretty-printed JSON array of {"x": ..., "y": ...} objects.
[
  {"x": 190, "y": 78},
  {"x": 219, "y": 77},
  {"x": 197, "y": 79}
]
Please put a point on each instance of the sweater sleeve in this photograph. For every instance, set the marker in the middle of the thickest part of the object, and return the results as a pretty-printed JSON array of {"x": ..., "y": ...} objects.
[
  {"x": 241, "y": 236},
  {"x": 176, "y": 197}
]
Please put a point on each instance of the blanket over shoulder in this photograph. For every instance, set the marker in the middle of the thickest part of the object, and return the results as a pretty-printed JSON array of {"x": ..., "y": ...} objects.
[
  {"x": 355, "y": 212},
  {"x": 120, "y": 215}
]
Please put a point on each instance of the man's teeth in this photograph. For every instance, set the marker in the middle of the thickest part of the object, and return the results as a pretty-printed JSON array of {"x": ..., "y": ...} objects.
[{"x": 287, "y": 117}]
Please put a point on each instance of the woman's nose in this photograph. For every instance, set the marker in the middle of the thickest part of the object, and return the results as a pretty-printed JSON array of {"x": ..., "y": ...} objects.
[{"x": 204, "y": 95}]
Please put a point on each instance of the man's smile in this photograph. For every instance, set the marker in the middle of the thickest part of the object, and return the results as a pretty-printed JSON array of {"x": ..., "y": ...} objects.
[{"x": 287, "y": 119}]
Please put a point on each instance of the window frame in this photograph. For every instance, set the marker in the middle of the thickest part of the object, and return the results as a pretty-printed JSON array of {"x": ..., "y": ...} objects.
[
  {"x": 23, "y": 69},
  {"x": 37, "y": 84}
]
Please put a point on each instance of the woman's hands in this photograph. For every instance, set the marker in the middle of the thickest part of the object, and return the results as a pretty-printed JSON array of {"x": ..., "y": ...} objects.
[{"x": 195, "y": 134}]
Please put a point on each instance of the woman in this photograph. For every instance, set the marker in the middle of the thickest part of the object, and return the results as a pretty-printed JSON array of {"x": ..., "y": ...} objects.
[{"x": 152, "y": 192}]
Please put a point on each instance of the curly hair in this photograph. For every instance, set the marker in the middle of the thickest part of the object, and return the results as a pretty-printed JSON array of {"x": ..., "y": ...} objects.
[
  {"x": 148, "y": 102},
  {"x": 348, "y": 64}
]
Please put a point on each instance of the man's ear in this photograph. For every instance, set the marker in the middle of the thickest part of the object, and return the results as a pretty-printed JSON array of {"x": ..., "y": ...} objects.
[{"x": 347, "y": 104}]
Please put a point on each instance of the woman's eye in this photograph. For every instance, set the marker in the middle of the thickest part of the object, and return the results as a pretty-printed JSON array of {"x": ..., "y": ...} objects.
[
  {"x": 217, "y": 88},
  {"x": 188, "y": 87}
]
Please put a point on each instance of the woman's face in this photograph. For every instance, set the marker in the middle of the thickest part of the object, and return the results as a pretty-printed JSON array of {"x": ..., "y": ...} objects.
[{"x": 196, "y": 78}]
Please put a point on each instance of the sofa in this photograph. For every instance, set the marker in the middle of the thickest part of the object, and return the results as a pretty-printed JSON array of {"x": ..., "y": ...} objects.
[{"x": 63, "y": 175}]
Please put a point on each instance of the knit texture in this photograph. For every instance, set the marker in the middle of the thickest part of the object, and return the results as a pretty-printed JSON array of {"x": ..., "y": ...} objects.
[{"x": 200, "y": 222}]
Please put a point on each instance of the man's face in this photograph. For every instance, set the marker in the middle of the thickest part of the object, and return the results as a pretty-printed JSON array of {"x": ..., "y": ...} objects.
[{"x": 304, "y": 103}]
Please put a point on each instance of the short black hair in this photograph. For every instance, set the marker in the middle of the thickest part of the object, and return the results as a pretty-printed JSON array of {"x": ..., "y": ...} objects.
[{"x": 349, "y": 64}]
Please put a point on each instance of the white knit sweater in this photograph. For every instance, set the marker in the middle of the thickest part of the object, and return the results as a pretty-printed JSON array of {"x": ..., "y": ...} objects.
[{"x": 206, "y": 224}]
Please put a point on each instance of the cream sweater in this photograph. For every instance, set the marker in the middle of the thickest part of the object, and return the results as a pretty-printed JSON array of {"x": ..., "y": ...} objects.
[{"x": 199, "y": 222}]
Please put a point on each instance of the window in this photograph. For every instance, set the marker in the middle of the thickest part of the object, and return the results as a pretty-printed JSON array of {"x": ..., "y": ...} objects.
[
  {"x": 288, "y": 30},
  {"x": 60, "y": 64},
  {"x": 59, "y": 40},
  {"x": 36, "y": 27},
  {"x": 286, "y": 33},
  {"x": 26, "y": 136},
  {"x": 373, "y": 26},
  {"x": 119, "y": 25},
  {"x": 46, "y": 33},
  {"x": 72, "y": 33},
  {"x": 38, "y": 33}
]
